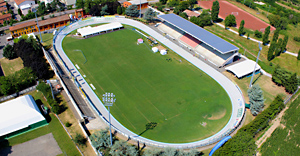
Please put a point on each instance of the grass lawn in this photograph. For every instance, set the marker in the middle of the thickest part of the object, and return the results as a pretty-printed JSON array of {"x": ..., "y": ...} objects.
[
  {"x": 11, "y": 66},
  {"x": 54, "y": 127},
  {"x": 47, "y": 38},
  {"x": 284, "y": 60},
  {"x": 285, "y": 139},
  {"x": 180, "y": 98}
]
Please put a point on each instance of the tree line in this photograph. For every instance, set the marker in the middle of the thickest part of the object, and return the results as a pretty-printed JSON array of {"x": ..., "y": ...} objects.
[
  {"x": 101, "y": 141},
  {"x": 288, "y": 80},
  {"x": 30, "y": 51},
  {"x": 243, "y": 143},
  {"x": 16, "y": 82}
]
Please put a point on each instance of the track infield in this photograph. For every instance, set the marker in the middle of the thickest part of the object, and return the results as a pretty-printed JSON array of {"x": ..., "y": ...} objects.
[
  {"x": 226, "y": 8},
  {"x": 186, "y": 104}
]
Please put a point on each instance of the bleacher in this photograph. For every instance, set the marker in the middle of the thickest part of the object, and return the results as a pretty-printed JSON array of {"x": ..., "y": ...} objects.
[
  {"x": 169, "y": 30},
  {"x": 190, "y": 40}
]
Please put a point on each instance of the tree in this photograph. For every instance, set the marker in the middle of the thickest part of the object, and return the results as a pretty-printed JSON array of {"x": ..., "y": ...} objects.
[
  {"x": 183, "y": 15},
  {"x": 104, "y": 10},
  {"x": 183, "y": 5},
  {"x": 204, "y": 19},
  {"x": 292, "y": 84},
  {"x": 278, "y": 47},
  {"x": 248, "y": 34},
  {"x": 48, "y": 7},
  {"x": 274, "y": 20},
  {"x": 271, "y": 51},
  {"x": 241, "y": 28},
  {"x": 121, "y": 148},
  {"x": 8, "y": 52},
  {"x": 88, "y": 5},
  {"x": 256, "y": 99},
  {"x": 79, "y": 4},
  {"x": 20, "y": 12},
  {"x": 119, "y": 10},
  {"x": 149, "y": 15},
  {"x": 132, "y": 11},
  {"x": 276, "y": 34},
  {"x": 298, "y": 57},
  {"x": 41, "y": 8},
  {"x": 284, "y": 43},
  {"x": 257, "y": 34},
  {"x": 266, "y": 36},
  {"x": 101, "y": 139},
  {"x": 163, "y": 1},
  {"x": 173, "y": 3},
  {"x": 169, "y": 151},
  {"x": 53, "y": 5},
  {"x": 80, "y": 139},
  {"x": 215, "y": 11},
  {"x": 229, "y": 21},
  {"x": 191, "y": 3},
  {"x": 95, "y": 10}
]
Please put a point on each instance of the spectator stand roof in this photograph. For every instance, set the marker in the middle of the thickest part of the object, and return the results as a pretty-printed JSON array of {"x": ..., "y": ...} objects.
[
  {"x": 18, "y": 113},
  {"x": 199, "y": 33},
  {"x": 86, "y": 31},
  {"x": 243, "y": 68}
]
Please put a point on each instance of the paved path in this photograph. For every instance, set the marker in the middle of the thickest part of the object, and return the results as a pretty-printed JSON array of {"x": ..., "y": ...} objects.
[
  {"x": 43, "y": 146},
  {"x": 233, "y": 92}
]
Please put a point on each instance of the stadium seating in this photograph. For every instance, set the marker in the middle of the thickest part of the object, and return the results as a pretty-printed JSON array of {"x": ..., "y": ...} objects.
[{"x": 189, "y": 40}]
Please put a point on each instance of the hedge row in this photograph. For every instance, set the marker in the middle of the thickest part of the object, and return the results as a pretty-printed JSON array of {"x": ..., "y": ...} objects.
[
  {"x": 243, "y": 142},
  {"x": 46, "y": 90}
]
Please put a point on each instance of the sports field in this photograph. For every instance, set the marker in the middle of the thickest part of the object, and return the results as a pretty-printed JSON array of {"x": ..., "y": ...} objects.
[{"x": 184, "y": 103}]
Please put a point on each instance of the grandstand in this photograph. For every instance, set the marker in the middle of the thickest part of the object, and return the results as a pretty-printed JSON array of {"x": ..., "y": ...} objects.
[{"x": 209, "y": 46}]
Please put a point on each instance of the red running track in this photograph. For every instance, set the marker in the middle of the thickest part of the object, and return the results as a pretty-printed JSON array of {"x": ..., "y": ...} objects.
[{"x": 226, "y": 8}]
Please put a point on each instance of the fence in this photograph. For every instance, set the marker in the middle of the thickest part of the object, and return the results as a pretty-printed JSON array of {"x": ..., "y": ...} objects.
[{"x": 95, "y": 19}]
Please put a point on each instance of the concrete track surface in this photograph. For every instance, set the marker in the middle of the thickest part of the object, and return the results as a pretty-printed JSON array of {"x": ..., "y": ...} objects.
[{"x": 232, "y": 90}]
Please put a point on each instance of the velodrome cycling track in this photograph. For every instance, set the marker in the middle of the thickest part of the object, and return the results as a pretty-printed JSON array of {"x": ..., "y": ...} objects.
[{"x": 232, "y": 89}]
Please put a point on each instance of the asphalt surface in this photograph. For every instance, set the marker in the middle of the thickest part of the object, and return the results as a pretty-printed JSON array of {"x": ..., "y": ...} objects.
[
  {"x": 233, "y": 92},
  {"x": 43, "y": 146}
]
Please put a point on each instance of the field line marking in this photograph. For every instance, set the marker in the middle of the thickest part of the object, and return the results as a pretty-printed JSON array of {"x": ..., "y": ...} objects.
[{"x": 142, "y": 114}]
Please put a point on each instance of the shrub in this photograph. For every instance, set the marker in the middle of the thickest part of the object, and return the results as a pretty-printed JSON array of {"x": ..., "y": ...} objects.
[
  {"x": 297, "y": 39},
  {"x": 68, "y": 124},
  {"x": 79, "y": 139},
  {"x": 258, "y": 34}
]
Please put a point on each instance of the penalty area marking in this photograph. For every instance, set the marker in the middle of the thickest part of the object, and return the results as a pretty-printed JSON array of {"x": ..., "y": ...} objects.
[
  {"x": 77, "y": 66},
  {"x": 93, "y": 86}
]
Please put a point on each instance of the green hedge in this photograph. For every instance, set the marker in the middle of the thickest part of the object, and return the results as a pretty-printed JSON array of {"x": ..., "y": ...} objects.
[{"x": 243, "y": 142}]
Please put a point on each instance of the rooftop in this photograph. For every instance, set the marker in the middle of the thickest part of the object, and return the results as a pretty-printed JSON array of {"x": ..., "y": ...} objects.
[
  {"x": 18, "y": 2},
  {"x": 18, "y": 113},
  {"x": 191, "y": 13},
  {"x": 22, "y": 25},
  {"x": 54, "y": 20},
  {"x": 137, "y": 2},
  {"x": 199, "y": 33}
]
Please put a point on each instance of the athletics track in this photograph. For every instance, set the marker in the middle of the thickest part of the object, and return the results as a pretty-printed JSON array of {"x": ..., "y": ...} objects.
[{"x": 234, "y": 93}]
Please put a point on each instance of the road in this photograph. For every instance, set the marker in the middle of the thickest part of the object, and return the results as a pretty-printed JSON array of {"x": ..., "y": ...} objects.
[{"x": 233, "y": 92}]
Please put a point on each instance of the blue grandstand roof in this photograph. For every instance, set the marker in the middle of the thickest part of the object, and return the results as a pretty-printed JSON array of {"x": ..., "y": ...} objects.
[{"x": 199, "y": 33}]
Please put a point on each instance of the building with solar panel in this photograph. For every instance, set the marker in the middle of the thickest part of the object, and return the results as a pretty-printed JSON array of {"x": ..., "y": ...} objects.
[{"x": 205, "y": 44}]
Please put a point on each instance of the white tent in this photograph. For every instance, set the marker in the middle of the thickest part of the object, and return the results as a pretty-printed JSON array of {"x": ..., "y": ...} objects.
[
  {"x": 18, "y": 113},
  {"x": 155, "y": 49},
  {"x": 243, "y": 68},
  {"x": 86, "y": 31},
  {"x": 163, "y": 52}
]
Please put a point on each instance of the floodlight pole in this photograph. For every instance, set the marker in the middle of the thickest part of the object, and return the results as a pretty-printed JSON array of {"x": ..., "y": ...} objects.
[
  {"x": 108, "y": 99},
  {"x": 250, "y": 85},
  {"x": 34, "y": 10}
]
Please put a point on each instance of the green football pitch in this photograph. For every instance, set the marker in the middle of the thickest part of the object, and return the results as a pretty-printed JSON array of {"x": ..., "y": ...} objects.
[{"x": 183, "y": 102}]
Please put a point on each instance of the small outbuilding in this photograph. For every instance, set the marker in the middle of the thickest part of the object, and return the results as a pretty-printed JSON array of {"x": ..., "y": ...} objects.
[
  {"x": 155, "y": 49},
  {"x": 243, "y": 68},
  {"x": 19, "y": 115},
  {"x": 163, "y": 52}
]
